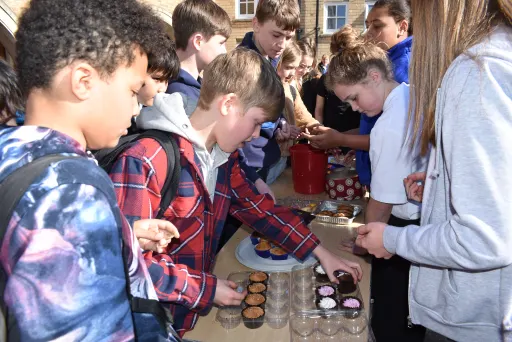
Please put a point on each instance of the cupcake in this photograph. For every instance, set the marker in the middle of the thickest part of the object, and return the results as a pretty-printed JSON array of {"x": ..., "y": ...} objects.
[
  {"x": 277, "y": 253},
  {"x": 326, "y": 303},
  {"x": 257, "y": 288},
  {"x": 351, "y": 306},
  {"x": 320, "y": 274},
  {"x": 229, "y": 317},
  {"x": 253, "y": 317},
  {"x": 255, "y": 238},
  {"x": 346, "y": 282},
  {"x": 263, "y": 249},
  {"x": 255, "y": 299},
  {"x": 258, "y": 277},
  {"x": 325, "y": 291}
]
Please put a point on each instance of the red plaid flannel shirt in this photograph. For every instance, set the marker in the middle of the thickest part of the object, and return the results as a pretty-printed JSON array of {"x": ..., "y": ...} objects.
[{"x": 182, "y": 276}]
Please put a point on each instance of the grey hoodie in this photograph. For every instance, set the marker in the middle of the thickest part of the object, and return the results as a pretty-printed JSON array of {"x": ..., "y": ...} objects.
[
  {"x": 168, "y": 114},
  {"x": 461, "y": 279}
]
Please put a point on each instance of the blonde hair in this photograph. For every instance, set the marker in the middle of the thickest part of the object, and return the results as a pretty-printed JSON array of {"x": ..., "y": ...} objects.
[
  {"x": 291, "y": 53},
  {"x": 246, "y": 74},
  {"x": 354, "y": 57},
  {"x": 444, "y": 29},
  {"x": 306, "y": 47}
]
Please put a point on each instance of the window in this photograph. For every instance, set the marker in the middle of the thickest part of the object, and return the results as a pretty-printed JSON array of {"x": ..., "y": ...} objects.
[
  {"x": 368, "y": 8},
  {"x": 245, "y": 9},
  {"x": 335, "y": 16}
]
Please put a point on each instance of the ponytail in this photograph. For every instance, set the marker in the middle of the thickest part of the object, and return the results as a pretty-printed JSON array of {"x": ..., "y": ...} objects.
[{"x": 354, "y": 57}]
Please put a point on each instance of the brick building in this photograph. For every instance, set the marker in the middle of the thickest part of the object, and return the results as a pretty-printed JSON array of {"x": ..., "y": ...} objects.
[{"x": 332, "y": 14}]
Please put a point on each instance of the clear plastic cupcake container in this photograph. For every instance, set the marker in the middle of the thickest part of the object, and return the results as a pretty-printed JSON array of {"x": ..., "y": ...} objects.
[
  {"x": 275, "y": 313},
  {"x": 311, "y": 326},
  {"x": 229, "y": 317}
]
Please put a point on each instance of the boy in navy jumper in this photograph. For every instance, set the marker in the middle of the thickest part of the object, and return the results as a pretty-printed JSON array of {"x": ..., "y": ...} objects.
[{"x": 274, "y": 27}]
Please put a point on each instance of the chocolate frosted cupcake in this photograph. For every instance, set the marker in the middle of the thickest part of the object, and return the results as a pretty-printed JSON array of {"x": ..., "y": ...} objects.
[
  {"x": 326, "y": 303},
  {"x": 255, "y": 299},
  {"x": 257, "y": 288},
  {"x": 320, "y": 274},
  {"x": 346, "y": 282},
  {"x": 351, "y": 306},
  {"x": 258, "y": 277},
  {"x": 253, "y": 317},
  {"x": 325, "y": 291}
]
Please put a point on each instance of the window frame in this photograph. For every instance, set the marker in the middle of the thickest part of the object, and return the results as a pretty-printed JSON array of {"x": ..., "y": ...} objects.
[
  {"x": 239, "y": 16},
  {"x": 334, "y": 3}
]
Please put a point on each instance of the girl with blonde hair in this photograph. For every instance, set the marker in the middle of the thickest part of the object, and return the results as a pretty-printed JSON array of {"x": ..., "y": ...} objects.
[{"x": 461, "y": 82}]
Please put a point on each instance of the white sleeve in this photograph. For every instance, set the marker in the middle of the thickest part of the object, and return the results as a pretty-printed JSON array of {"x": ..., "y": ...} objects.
[{"x": 390, "y": 165}]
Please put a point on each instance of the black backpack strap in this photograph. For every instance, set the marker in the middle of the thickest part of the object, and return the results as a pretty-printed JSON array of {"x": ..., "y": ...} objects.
[
  {"x": 172, "y": 180},
  {"x": 108, "y": 156},
  {"x": 12, "y": 188}
]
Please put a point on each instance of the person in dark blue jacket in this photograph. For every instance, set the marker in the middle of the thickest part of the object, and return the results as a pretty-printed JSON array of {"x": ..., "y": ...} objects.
[{"x": 274, "y": 26}]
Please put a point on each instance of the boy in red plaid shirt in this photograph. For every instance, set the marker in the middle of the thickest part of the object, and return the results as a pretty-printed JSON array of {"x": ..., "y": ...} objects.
[{"x": 240, "y": 91}]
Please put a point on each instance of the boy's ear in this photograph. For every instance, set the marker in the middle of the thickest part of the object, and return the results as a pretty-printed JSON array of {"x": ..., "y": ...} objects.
[
  {"x": 403, "y": 27},
  {"x": 228, "y": 104},
  {"x": 255, "y": 25},
  {"x": 83, "y": 78},
  {"x": 196, "y": 41}
]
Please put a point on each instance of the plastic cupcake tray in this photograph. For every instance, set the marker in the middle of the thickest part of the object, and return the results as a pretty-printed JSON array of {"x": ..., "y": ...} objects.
[{"x": 254, "y": 312}]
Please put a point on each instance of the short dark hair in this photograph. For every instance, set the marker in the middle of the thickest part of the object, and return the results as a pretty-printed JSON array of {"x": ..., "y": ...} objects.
[
  {"x": 164, "y": 61},
  {"x": 203, "y": 16},
  {"x": 398, "y": 9},
  {"x": 55, "y": 33},
  {"x": 11, "y": 99}
]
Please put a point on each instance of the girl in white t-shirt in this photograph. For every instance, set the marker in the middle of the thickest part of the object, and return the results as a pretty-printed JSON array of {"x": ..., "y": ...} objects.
[{"x": 361, "y": 75}]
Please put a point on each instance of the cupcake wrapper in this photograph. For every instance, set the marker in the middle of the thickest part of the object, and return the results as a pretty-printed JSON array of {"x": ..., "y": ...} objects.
[
  {"x": 263, "y": 254},
  {"x": 279, "y": 257},
  {"x": 255, "y": 240}
]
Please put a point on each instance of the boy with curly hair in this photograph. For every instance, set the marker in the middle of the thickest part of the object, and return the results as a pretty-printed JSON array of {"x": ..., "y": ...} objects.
[{"x": 71, "y": 264}]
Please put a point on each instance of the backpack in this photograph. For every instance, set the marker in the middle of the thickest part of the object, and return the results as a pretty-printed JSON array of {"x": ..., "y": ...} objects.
[
  {"x": 12, "y": 188},
  {"x": 107, "y": 157}
]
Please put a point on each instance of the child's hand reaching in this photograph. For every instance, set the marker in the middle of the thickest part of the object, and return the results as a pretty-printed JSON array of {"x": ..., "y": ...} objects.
[
  {"x": 331, "y": 263},
  {"x": 413, "y": 189},
  {"x": 154, "y": 234},
  {"x": 295, "y": 132},
  {"x": 226, "y": 293}
]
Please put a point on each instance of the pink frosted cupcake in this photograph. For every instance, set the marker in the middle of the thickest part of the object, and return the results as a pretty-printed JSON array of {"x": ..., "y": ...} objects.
[{"x": 325, "y": 291}]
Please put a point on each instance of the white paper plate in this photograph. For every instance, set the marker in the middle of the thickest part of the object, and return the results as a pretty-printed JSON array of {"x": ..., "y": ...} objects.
[{"x": 247, "y": 256}]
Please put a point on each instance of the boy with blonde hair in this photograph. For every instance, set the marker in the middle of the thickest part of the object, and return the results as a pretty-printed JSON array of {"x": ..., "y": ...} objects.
[{"x": 240, "y": 91}]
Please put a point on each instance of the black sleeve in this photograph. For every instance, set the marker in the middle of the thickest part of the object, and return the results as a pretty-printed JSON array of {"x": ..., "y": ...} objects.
[{"x": 321, "y": 89}]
